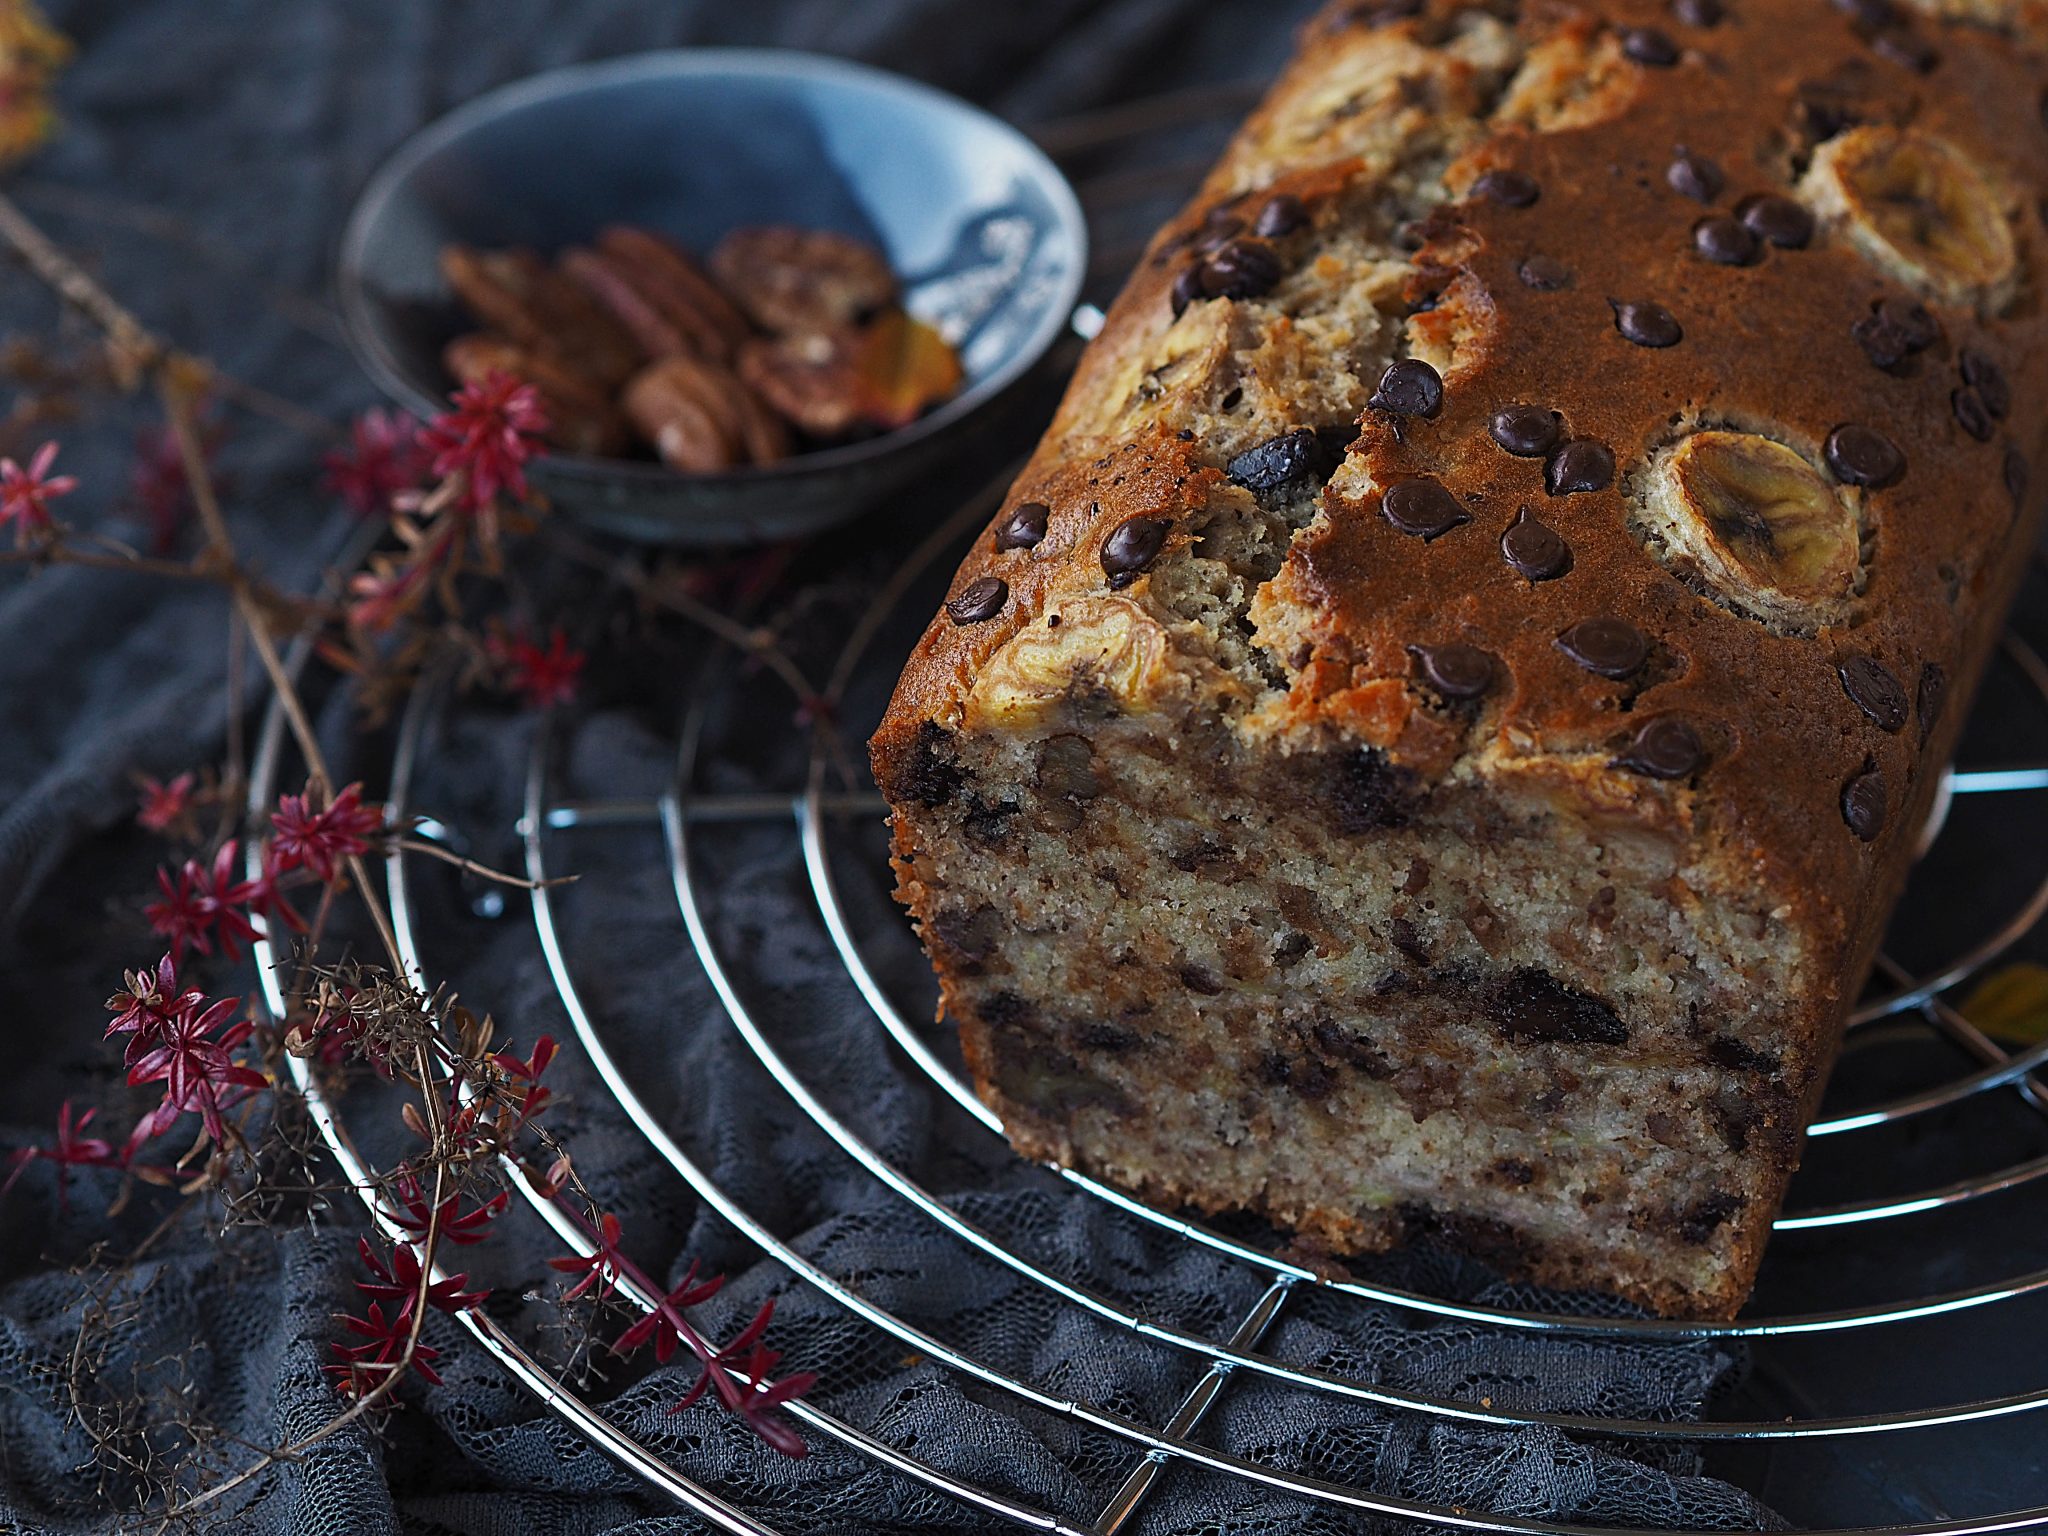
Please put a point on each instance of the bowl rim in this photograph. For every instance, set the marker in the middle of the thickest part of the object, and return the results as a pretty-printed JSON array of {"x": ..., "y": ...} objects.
[{"x": 378, "y": 361}]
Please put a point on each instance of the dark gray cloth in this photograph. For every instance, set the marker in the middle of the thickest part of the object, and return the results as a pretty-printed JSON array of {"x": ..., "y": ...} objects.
[{"x": 210, "y": 150}]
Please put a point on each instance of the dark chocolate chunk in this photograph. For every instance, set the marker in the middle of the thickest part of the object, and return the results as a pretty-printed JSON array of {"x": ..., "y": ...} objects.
[
  {"x": 1725, "y": 241},
  {"x": 1863, "y": 456},
  {"x": 1408, "y": 939},
  {"x": 1863, "y": 802},
  {"x": 1894, "y": 330},
  {"x": 1534, "y": 549},
  {"x": 1694, "y": 176},
  {"x": 2015, "y": 475},
  {"x": 1242, "y": 269},
  {"x": 1988, "y": 379},
  {"x": 1546, "y": 274},
  {"x": 1409, "y": 387},
  {"x": 1218, "y": 229},
  {"x": 1200, "y": 980},
  {"x": 1422, "y": 507},
  {"x": 1611, "y": 647},
  {"x": 931, "y": 778},
  {"x": 1367, "y": 792},
  {"x": 1929, "y": 696},
  {"x": 1292, "y": 459},
  {"x": 1581, "y": 465},
  {"x": 1024, "y": 527},
  {"x": 1531, "y": 1004},
  {"x": 988, "y": 826},
  {"x": 1698, "y": 13},
  {"x": 1697, "y": 1223},
  {"x": 1187, "y": 287},
  {"x": 980, "y": 600},
  {"x": 1647, "y": 45},
  {"x": 1526, "y": 431},
  {"x": 1511, "y": 189},
  {"x": 1646, "y": 323},
  {"x": 1872, "y": 688},
  {"x": 1455, "y": 670},
  {"x": 1906, "y": 48},
  {"x": 1971, "y": 413},
  {"x": 1133, "y": 545},
  {"x": 1780, "y": 220},
  {"x": 1664, "y": 748},
  {"x": 1283, "y": 214}
]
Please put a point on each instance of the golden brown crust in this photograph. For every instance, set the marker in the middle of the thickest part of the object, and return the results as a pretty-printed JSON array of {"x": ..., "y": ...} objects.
[{"x": 1586, "y": 108}]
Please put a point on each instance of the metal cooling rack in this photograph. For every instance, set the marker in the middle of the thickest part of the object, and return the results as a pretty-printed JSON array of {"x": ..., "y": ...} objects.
[{"x": 833, "y": 831}]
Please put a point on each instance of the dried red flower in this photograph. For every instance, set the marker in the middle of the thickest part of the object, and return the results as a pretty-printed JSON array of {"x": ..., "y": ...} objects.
[
  {"x": 158, "y": 483},
  {"x": 192, "y": 1056},
  {"x": 542, "y": 676},
  {"x": 322, "y": 841},
  {"x": 165, "y": 806},
  {"x": 147, "y": 1004},
  {"x": 495, "y": 427},
  {"x": 450, "y": 1220},
  {"x": 25, "y": 494},
  {"x": 363, "y": 1366},
  {"x": 755, "y": 1401},
  {"x": 203, "y": 907},
  {"x": 399, "y": 1280},
  {"x": 665, "y": 1325},
  {"x": 527, "y": 1074},
  {"x": 383, "y": 459},
  {"x": 71, "y": 1148},
  {"x": 602, "y": 1268}
]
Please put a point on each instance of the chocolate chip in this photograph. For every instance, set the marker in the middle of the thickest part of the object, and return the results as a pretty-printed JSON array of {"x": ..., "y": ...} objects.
[
  {"x": 1867, "y": 13},
  {"x": 1422, "y": 507},
  {"x": 1906, "y": 49},
  {"x": 1894, "y": 330},
  {"x": 1698, "y": 13},
  {"x": 1456, "y": 670},
  {"x": 1024, "y": 527},
  {"x": 1411, "y": 234},
  {"x": 1291, "y": 459},
  {"x": 1780, "y": 220},
  {"x": 1646, "y": 45},
  {"x": 2016, "y": 475},
  {"x": 1511, "y": 189},
  {"x": 1988, "y": 379},
  {"x": 1134, "y": 544},
  {"x": 1241, "y": 269},
  {"x": 1531, "y": 1004},
  {"x": 1692, "y": 176},
  {"x": 1409, "y": 387},
  {"x": 1534, "y": 549},
  {"x": 1611, "y": 647},
  {"x": 1283, "y": 214},
  {"x": 1971, "y": 413},
  {"x": 1187, "y": 288},
  {"x": 1546, "y": 274},
  {"x": 1928, "y": 697},
  {"x": 1864, "y": 457},
  {"x": 1645, "y": 323},
  {"x": 1872, "y": 688},
  {"x": 980, "y": 600},
  {"x": 1579, "y": 466},
  {"x": 1664, "y": 748},
  {"x": 1217, "y": 230},
  {"x": 1526, "y": 431},
  {"x": 1863, "y": 800},
  {"x": 1726, "y": 241}
]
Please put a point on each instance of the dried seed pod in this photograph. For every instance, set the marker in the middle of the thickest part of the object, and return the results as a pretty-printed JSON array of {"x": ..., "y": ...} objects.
[
  {"x": 795, "y": 281},
  {"x": 580, "y": 419}
]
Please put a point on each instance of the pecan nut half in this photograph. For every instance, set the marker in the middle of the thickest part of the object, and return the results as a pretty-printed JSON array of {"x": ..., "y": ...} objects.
[
  {"x": 811, "y": 380},
  {"x": 664, "y": 277},
  {"x": 701, "y": 418},
  {"x": 519, "y": 296},
  {"x": 799, "y": 281}
]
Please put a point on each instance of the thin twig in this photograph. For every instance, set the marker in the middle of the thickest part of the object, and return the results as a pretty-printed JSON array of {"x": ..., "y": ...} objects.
[{"x": 483, "y": 871}]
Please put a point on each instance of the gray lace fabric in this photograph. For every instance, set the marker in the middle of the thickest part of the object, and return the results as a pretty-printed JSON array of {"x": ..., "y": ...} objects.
[{"x": 210, "y": 149}]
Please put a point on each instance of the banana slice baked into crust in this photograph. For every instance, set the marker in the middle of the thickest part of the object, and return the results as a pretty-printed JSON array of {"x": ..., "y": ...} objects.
[{"x": 1430, "y": 741}]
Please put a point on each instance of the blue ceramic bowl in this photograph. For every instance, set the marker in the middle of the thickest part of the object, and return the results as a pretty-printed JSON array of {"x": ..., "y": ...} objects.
[{"x": 984, "y": 232}]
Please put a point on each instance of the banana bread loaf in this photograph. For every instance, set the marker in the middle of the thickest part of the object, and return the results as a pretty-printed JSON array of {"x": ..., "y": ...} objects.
[{"x": 1430, "y": 741}]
